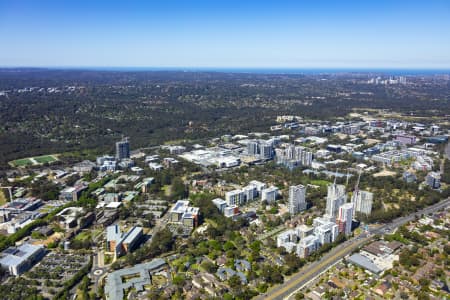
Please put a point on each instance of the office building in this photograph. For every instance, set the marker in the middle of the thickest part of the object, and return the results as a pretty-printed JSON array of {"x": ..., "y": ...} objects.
[
  {"x": 362, "y": 202},
  {"x": 123, "y": 149},
  {"x": 72, "y": 193},
  {"x": 184, "y": 214},
  {"x": 405, "y": 139},
  {"x": 297, "y": 200},
  {"x": 18, "y": 260},
  {"x": 121, "y": 243}
]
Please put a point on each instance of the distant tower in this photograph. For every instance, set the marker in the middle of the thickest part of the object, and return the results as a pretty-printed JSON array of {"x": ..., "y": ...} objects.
[
  {"x": 123, "y": 149},
  {"x": 297, "y": 200}
]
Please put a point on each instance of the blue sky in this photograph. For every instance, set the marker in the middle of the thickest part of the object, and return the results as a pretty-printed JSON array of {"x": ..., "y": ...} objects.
[{"x": 226, "y": 34}]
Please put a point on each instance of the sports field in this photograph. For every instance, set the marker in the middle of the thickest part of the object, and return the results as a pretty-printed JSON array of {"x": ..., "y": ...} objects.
[
  {"x": 45, "y": 159},
  {"x": 22, "y": 162},
  {"x": 31, "y": 161}
]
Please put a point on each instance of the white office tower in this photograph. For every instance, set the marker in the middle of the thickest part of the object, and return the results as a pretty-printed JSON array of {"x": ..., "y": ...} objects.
[
  {"x": 297, "y": 201},
  {"x": 345, "y": 218},
  {"x": 362, "y": 202},
  {"x": 335, "y": 198}
]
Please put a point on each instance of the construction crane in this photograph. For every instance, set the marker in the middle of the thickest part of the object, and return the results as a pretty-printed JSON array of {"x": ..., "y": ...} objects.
[
  {"x": 335, "y": 176},
  {"x": 10, "y": 191}
]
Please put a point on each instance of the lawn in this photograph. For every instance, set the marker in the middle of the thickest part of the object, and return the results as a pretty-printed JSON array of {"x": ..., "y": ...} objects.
[
  {"x": 45, "y": 159},
  {"x": 320, "y": 182},
  {"x": 2, "y": 197},
  {"x": 82, "y": 236},
  {"x": 21, "y": 162}
]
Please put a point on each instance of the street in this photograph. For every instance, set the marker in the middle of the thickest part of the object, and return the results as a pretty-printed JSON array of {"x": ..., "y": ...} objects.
[{"x": 309, "y": 272}]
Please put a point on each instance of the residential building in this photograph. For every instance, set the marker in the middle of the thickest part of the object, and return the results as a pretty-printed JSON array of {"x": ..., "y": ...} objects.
[
  {"x": 220, "y": 204},
  {"x": 307, "y": 246},
  {"x": 362, "y": 202},
  {"x": 433, "y": 180},
  {"x": 345, "y": 218},
  {"x": 269, "y": 194},
  {"x": 336, "y": 196},
  {"x": 235, "y": 197},
  {"x": 297, "y": 200},
  {"x": 231, "y": 211}
]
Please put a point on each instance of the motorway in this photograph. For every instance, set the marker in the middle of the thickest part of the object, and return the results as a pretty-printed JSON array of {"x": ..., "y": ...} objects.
[{"x": 309, "y": 272}]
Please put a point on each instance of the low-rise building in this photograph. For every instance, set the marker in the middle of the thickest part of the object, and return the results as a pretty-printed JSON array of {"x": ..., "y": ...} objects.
[
  {"x": 18, "y": 260},
  {"x": 184, "y": 214},
  {"x": 121, "y": 243},
  {"x": 269, "y": 194},
  {"x": 72, "y": 193}
]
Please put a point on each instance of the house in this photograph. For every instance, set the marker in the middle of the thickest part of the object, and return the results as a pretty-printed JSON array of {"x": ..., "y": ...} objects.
[{"x": 383, "y": 288}]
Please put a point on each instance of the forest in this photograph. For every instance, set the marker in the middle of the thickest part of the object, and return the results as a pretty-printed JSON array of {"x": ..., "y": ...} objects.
[{"x": 56, "y": 111}]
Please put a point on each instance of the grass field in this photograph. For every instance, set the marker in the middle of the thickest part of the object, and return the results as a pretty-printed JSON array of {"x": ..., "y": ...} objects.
[
  {"x": 320, "y": 182},
  {"x": 45, "y": 159},
  {"x": 2, "y": 197},
  {"x": 37, "y": 160},
  {"x": 82, "y": 236},
  {"x": 22, "y": 162}
]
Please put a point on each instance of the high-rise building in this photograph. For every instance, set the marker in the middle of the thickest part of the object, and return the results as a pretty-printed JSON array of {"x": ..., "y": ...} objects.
[
  {"x": 266, "y": 150},
  {"x": 260, "y": 148},
  {"x": 123, "y": 149},
  {"x": 362, "y": 202},
  {"x": 335, "y": 198},
  {"x": 433, "y": 179},
  {"x": 345, "y": 218},
  {"x": 297, "y": 201},
  {"x": 253, "y": 148}
]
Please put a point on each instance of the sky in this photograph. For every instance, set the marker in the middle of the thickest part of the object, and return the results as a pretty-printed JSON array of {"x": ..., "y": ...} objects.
[{"x": 226, "y": 34}]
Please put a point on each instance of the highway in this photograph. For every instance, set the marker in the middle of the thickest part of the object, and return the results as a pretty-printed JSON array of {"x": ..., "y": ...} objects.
[{"x": 309, "y": 272}]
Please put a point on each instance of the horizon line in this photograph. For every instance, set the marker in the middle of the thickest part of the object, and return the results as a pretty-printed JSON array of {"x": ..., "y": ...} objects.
[{"x": 241, "y": 69}]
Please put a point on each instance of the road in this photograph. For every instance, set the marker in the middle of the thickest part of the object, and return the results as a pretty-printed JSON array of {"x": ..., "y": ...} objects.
[{"x": 309, "y": 272}]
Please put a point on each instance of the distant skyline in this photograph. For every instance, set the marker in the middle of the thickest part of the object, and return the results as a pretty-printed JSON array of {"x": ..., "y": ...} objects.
[{"x": 226, "y": 34}]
